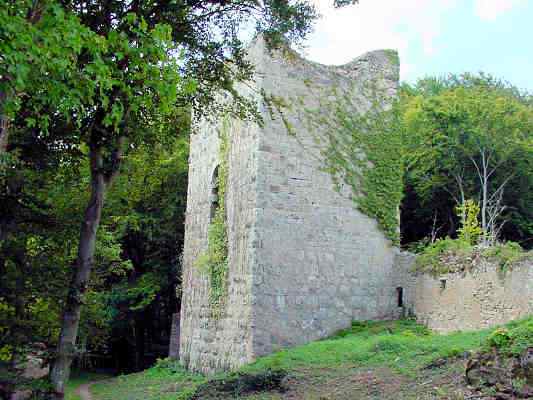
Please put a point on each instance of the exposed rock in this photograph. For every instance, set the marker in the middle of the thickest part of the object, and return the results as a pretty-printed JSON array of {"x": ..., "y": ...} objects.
[
  {"x": 22, "y": 395},
  {"x": 508, "y": 377},
  {"x": 526, "y": 363},
  {"x": 33, "y": 364},
  {"x": 36, "y": 368},
  {"x": 240, "y": 384}
]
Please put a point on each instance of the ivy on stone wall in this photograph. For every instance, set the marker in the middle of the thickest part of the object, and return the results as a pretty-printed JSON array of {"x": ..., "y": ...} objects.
[
  {"x": 364, "y": 151},
  {"x": 277, "y": 105},
  {"x": 393, "y": 57},
  {"x": 214, "y": 261}
]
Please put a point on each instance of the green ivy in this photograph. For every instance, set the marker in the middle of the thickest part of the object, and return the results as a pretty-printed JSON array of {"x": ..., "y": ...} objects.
[
  {"x": 507, "y": 254},
  {"x": 277, "y": 105},
  {"x": 364, "y": 151},
  {"x": 445, "y": 256},
  {"x": 453, "y": 255},
  {"x": 393, "y": 57},
  {"x": 214, "y": 262}
]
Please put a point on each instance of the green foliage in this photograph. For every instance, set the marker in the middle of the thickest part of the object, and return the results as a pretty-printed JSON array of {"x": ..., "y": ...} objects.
[
  {"x": 168, "y": 365},
  {"x": 436, "y": 257},
  {"x": 451, "y": 125},
  {"x": 214, "y": 262},
  {"x": 167, "y": 380},
  {"x": 40, "y": 44},
  {"x": 506, "y": 254},
  {"x": 45, "y": 318},
  {"x": 78, "y": 379},
  {"x": 277, "y": 106},
  {"x": 470, "y": 231},
  {"x": 6, "y": 352},
  {"x": 452, "y": 255},
  {"x": 364, "y": 151},
  {"x": 136, "y": 266},
  {"x": 499, "y": 338},
  {"x": 512, "y": 339},
  {"x": 91, "y": 93},
  {"x": 393, "y": 57},
  {"x": 403, "y": 345},
  {"x": 370, "y": 328}
]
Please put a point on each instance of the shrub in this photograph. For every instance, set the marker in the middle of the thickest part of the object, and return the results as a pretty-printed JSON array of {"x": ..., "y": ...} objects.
[
  {"x": 435, "y": 258},
  {"x": 506, "y": 254},
  {"x": 513, "y": 340},
  {"x": 499, "y": 338},
  {"x": 470, "y": 231}
]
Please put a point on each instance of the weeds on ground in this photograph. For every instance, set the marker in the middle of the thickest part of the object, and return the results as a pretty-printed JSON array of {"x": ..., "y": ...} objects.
[
  {"x": 404, "y": 346},
  {"x": 512, "y": 339},
  {"x": 167, "y": 380}
]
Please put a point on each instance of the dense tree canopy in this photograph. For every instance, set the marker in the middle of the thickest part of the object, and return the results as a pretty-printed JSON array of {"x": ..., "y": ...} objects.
[{"x": 466, "y": 138}]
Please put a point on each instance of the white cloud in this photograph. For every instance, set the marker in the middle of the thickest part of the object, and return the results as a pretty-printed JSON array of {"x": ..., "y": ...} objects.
[
  {"x": 489, "y": 10},
  {"x": 343, "y": 34}
]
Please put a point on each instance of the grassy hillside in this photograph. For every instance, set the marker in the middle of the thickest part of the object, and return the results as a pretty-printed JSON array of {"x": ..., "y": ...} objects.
[{"x": 376, "y": 360}]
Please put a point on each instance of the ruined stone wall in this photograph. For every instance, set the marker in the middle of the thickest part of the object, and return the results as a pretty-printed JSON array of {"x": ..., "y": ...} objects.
[
  {"x": 303, "y": 261},
  {"x": 476, "y": 299},
  {"x": 174, "y": 345},
  {"x": 321, "y": 263},
  {"x": 206, "y": 343}
]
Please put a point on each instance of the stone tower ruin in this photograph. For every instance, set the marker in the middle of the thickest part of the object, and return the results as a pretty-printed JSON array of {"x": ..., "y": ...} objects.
[{"x": 303, "y": 261}]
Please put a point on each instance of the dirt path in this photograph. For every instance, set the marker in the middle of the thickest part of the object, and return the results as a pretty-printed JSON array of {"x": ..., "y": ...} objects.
[{"x": 83, "y": 391}]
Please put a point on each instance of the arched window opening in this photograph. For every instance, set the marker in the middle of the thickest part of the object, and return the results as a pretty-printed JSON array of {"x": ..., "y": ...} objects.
[{"x": 214, "y": 196}]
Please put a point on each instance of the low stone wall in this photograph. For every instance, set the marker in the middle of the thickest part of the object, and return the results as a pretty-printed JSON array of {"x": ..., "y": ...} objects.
[{"x": 481, "y": 298}]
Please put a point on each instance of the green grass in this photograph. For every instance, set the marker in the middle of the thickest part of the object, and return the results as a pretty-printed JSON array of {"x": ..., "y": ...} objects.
[
  {"x": 166, "y": 381},
  {"x": 79, "y": 379},
  {"x": 403, "y": 346}
]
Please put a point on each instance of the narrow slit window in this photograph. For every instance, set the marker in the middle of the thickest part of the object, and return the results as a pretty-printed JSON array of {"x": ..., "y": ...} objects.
[
  {"x": 399, "y": 293},
  {"x": 214, "y": 198}
]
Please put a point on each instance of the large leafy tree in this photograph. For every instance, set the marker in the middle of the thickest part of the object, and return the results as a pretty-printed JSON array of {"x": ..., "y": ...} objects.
[
  {"x": 39, "y": 48},
  {"x": 129, "y": 66},
  {"x": 470, "y": 137}
]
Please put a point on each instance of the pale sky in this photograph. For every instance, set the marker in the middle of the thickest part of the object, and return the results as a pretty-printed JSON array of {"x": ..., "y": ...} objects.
[{"x": 433, "y": 37}]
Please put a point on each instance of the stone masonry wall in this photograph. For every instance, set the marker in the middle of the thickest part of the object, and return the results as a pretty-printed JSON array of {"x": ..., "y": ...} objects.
[
  {"x": 481, "y": 298},
  {"x": 303, "y": 261},
  {"x": 208, "y": 344},
  {"x": 174, "y": 345},
  {"x": 320, "y": 262}
]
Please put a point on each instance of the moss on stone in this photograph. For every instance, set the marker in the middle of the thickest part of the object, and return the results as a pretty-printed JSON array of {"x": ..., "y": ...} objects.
[
  {"x": 393, "y": 57},
  {"x": 214, "y": 261}
]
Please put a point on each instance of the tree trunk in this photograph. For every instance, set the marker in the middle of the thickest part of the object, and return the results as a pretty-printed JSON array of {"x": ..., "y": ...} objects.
[
  {"x": 484, "y": 198},
  {"x": 71, "y": 315},
  {"x": 4, "y": 124}
]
